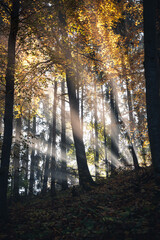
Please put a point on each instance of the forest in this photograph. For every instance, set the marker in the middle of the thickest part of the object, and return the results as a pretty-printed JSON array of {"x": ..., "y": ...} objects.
[{"x": 79, "y": 119}]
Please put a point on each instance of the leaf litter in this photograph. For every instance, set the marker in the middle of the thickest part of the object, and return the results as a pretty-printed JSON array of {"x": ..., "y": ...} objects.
[{"x": 122, "y": 207}]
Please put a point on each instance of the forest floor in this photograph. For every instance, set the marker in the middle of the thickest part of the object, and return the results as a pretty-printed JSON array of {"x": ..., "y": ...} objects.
[{"x": 124, "y": 207}]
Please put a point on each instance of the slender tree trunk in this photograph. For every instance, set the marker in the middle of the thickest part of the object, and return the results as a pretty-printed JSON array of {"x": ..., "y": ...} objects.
[
  {"x": 82, "y": 108},
  {"x": 129, "y": 99},
  {"x": 119, "y": 122},
  {"x": 8, "y": 116},
  {"x": 152, "y": 75},
  {"x": 37, "y": 171},
  {"x": 92, "y": 131},
  {"x": 140, "y": 124},
  {"x": 131, "y": 124},
  {"x": 53, "y": 159},
  {"x": 96, "y": 158},
  {"x": 32, "y": 167},
  {"x": 77, "y": 91},
  {"x": 114, "y": 131},
  {"x": 0, "y": 127},
  {"x": 131, "y": 120},
  {"x": 27, "y": 158},
  {"x": 113, "y": 135},
  {"x": 16, "y": 159},
  {"x": 46, "y": 170},
  {"x": 46, "y": 174},
  {"x": 104, "y": 132},
  {"x": 43, "y": 160},
  {"x": 63, "y": 139}
]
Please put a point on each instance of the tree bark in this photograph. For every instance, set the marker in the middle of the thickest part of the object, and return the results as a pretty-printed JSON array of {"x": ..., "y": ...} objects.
[
  {"x": 8, "y": 116},
  {"x": 114, "y": 130},
  {"x": 82, "y": 107},
  {"x": 131, "y": 125},
  {"x": 141, "y": 138},
  {"x": 53, "y": 159},
  {"x": 46, "y": 170},
  {"x": 96, "y": 157},
  {"x": 63, "y": 139},
  {"x": 27, "y": 158},
  {"x": 104, "y": 132},
  {"x": 152, "y": 75},
  {"x": 0, "y": 127},
  {"x": 131, "y": 120},
  {"x": 32, "y": 167},
  {"x": 16, "y": 160},
  {"x": 83, "y": 171}
]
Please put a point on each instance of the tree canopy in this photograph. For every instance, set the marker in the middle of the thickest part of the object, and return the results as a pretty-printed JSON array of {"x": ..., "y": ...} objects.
[{"x": 76, "y": 99}]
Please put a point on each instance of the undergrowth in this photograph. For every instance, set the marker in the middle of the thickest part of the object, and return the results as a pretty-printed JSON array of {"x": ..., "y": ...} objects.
[{"x": 123, "y": 207}]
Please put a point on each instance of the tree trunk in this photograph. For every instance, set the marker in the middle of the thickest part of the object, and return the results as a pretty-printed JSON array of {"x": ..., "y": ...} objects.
[
  {"x": 131, "y": 120},
  {"x": 141, "y": 139},
  {"x": 46, "y": 170},
  {"x": 27, "y": 158},
  {"x": 8, "y": 116},
  {"x": 84, "y": 174},
  {"x": 46, "y": 173},
  {"x": 32, "y": 167},
  {"x": 53, "y": 160},
  {"x": 0, "y": 127},
  {"x": 63, "y": 139},
  {"x": 104, "y": 132},
  {"x": 96, "y": 157},
  {"x": 114, "y": 131},
  {"x": 131, "y": 125},
  {"x": 83, "y": 171},
  {"x": 82, "y": 108},
  {"x": 152, "y": 75},
  {"x": 16, "y": 159},
  {"x": 119, "y": 122}
]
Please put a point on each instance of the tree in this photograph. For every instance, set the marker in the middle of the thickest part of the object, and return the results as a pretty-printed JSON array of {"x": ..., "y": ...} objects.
[
  {"x": 114, "y": 128},
  {"x": 27, "y": 155},
  {"x": 131, "y": 120},
  {"x": 83, "y": 171},
  {"x": 84, "y": 174},
  {"x": 82, "y": 107},
  {"x": 46, "y": 169},
  {"x": 53, "y": 135},
  {"x": 63, "y": 138},
  {"x": 96, "y": 157},
  {"x": 104, "y": 131},
  {"x": 32, "y": 166},
  {"x": 152, "y": 75},
  {"x": 9, "y": 101},
  {"x": 16, "y": 159}
]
